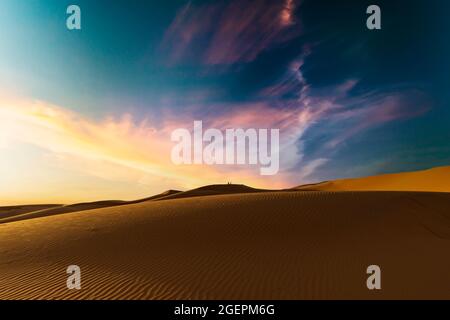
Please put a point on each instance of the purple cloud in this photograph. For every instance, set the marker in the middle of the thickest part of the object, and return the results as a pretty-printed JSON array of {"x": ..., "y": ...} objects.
[{"x": 228, "y": 33}]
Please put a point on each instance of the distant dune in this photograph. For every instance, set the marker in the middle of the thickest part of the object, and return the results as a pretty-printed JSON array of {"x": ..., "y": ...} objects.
[
  {"x": 213, "y": 190},
  {"x": 235, "y": 242},
  {"x": 17, "y": 213},
  {"x": 11, "y": 211},
  {"x": 32, "y": 212},
  {"x": 433, "y": 180}
]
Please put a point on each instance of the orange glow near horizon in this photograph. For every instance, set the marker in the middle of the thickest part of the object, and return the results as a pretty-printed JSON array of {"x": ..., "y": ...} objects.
[{"x": 50, "y": 154}]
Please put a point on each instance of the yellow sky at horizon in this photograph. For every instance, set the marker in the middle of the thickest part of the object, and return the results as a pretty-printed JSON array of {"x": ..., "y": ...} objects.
[{"x": 50, "y": 154}]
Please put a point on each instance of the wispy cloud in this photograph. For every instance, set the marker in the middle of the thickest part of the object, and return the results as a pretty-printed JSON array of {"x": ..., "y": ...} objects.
[
  {"x": 122, "y": 149},
  {"x": 336, "y": 113},
  {"x": 227, "y": 33},
  {"x": 377, "y": 109}
]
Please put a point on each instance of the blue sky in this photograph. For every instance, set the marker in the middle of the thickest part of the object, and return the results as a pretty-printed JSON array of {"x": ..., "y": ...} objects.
[{"x": 363, "y": 102}]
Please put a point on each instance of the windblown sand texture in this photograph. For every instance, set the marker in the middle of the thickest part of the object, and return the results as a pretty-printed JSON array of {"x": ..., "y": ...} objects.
[{"x": 234, "y": 242}]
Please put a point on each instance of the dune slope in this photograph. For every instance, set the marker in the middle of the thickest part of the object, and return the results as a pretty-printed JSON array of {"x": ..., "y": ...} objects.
[
  {"x": 18, "y": 213},
  {"x": 271, "y": 245},
  {"x": 216, "y": 189},
  {"x": 432, "y": 180},
  {"x": 11, "y": 211},
  {"x": 49, "y": 210}
]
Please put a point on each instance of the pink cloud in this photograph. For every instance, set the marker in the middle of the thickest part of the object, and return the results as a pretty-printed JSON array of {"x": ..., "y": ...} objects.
[
  {"x": 233, "y": 32},
  {"x": 334, "y": 109},
  {"x": 395, "y": 106}
]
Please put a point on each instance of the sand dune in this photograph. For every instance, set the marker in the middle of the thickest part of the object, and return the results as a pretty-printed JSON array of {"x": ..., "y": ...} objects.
[
  {"x": 217, "y": 189},
  {"x": 59, "y": 209},
  {"x": 18, "y": 213},
  {"x": 161, "y": 195},
  {"x": 433, "y": 180},
  {"x": 273, "y": 245},
  {"x": 11, "y": 211},
  {"x": 236, "y": 242}
]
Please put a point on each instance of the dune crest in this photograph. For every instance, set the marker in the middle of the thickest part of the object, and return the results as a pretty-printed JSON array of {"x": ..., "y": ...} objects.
[
  {"x": 270, "y": 245},
  {"x": 431, "y": 180},
  {"x": 237, "y": 242}
]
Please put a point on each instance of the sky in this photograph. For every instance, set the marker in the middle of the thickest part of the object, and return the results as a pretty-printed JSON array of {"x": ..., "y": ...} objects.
[{"x": 87, "y": 114}]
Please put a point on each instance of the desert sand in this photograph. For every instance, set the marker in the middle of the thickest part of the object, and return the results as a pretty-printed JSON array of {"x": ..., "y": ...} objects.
[
  {"x": 235, "y": 242},
  {"x": 434, "y": 180}
]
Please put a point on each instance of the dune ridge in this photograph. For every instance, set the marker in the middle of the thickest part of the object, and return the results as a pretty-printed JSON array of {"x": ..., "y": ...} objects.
[
  {"x": 430, "y": 180},
  {"x": 272, "y": 245},
  {"x": 236, "y": 242},
  {"x": 11, "y": 211},
  {"x": 18, "y": 213},
  {"x": 216, "y": 189}
]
